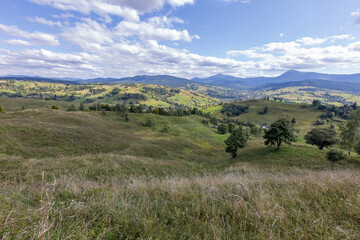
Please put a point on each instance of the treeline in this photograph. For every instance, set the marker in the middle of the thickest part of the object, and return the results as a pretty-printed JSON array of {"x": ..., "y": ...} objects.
[
  {"x": 233, "y": 110},
  {"x": 330, "y": 112}
]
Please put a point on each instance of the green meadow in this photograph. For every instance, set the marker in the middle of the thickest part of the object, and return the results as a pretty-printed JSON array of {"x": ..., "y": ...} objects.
[{"x": 92, "y": 175}]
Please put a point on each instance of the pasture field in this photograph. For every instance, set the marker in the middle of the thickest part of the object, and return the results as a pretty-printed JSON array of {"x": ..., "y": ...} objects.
[{"x": 89, "y": 175}]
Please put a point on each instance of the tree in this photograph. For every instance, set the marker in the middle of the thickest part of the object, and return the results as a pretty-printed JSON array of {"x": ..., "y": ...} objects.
[
  {"x": 280, "y": 131},
  {"x": 349, "y": 133},
  {"x": 223, "y": 128},
  {"x": 335, "y": 155},
  {"x": 2, "y": 109},
  {"x": 231, "y": 126},
  {"x": 82, "y": 107},
  {"x": 71, "y": 108},
  {"x": 321, "y": 137},
  {"x": 236, "y": 140},
  {"x": 266, "y": 109},
  {"x": 316, "y": 102}
]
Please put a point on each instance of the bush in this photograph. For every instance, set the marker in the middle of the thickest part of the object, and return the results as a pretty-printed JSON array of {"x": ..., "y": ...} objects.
[
  {"x": 223, "y": 128},
  {"x": 335, "y": 155},
  {"x": 232, "y": 127},
  {"x": 150, "y": 120},
  {"x": 2, "y": 109},
  {"x": 54, "y": 107},
  {"x": 72, "y": 108},
  {"x": 205, "y": 122},
  {"x": 166, "y": 127},
  {"x": 82, "y": 107}
]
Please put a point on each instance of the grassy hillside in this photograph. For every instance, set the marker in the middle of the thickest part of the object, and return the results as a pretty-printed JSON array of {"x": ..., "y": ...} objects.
[
  {"x": 306, "y": 94},
  {"x": 86, "y": 175},
  {"x": 305, "y": 115},
  {"x": 156, "y": 96}
]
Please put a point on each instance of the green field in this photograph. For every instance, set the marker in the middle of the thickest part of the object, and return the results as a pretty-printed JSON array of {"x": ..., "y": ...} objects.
[
  {"x": 308, "y": 94},
  {"x": 154, "y": 95},
  {"x": 89, "y": 175}
]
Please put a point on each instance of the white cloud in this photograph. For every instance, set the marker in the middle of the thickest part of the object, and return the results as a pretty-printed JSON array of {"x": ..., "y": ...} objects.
[
  {"x": 317, "y": 41},
  {"x": 302, "y": 54},
  {"x": 37, "y": 38},
  {"x": 44, "y": 21},
  {"x": 147, "y": 31},
  {"x": 356, "y": 15},
  {"x": 128, "y": 9},
  {"x": 99, "y": 7},
  {"x": 18, "y": 42}
]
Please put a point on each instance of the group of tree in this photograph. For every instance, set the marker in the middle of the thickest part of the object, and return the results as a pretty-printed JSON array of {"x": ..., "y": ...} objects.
[
  {"x": 281, "y": 131},
  {"x": 233, "y": 110}
]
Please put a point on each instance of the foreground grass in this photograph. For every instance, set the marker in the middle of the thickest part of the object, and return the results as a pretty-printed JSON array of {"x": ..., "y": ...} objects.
[{"x": 248, "y": 203}]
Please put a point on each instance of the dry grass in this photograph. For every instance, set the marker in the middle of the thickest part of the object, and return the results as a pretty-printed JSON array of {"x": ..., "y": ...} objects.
[{"x": 246, "y": 203}]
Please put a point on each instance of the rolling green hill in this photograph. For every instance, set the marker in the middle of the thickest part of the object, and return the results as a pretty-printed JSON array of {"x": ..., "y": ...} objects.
[{"x": 89, "y": 175}]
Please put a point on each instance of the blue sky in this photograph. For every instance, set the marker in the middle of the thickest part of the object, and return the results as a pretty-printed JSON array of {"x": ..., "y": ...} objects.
[{"x": 186, "y": 38}]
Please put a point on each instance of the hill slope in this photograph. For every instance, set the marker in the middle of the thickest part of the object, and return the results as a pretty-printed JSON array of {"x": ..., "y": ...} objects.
[{"x": 89, "y": 175}]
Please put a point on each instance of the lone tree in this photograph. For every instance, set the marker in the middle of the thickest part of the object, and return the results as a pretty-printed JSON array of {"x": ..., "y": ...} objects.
[
  {"x": 349, "y": 133},
  {"x": 335, "y": 155},
  {"x": 236, "y": 140},
  {"x": 265, "y": 111},
  {"x": 280, "y": 131},
  {"x": 223, "y": 128},
  {"x": 321, "y": 137}
]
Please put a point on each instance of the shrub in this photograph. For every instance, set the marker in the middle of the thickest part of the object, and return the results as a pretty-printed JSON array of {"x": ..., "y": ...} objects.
[
  {"x": 150, "y": 120},
  {"x": 82, "y": 107},
  {"x": 2, "y": 109},
  {"x": 232, "y": 127},
  {"x": 223, "y": 128},
  {"x": 166, "y": 127},
  {"x": 335, "y": 155},
  {"x": 71, "y": 108},
  {"x": 54, "y": 107},
  {"x": 205, "y": 122}
]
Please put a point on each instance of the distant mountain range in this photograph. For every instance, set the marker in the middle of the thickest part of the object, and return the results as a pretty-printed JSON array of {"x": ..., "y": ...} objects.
[
  {"x": 288, "y": 77},
  {"x": 349, "y": 83}
]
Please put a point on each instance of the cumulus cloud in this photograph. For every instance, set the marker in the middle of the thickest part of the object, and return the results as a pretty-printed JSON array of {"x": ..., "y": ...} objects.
[
  {"x": 44, "y": 21},
  {"x": 36, "y": 61},
  {"x": 128, "y": 9},
  {"x": 304, "y": 53},
  {"x": 99, "y": 7},
  {"x": 37, "y": 38}
]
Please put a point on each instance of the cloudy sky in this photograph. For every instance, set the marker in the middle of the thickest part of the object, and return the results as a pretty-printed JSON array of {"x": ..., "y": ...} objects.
[{"x": 186, "y": 38}]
